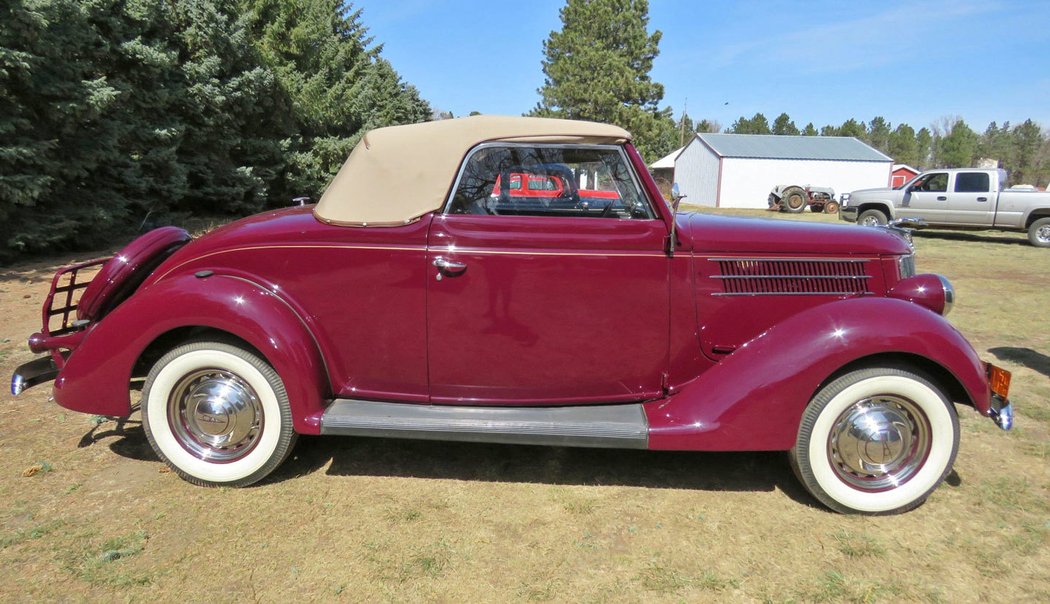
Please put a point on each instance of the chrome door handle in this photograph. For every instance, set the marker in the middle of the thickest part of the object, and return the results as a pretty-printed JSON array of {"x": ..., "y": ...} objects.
[{"x": 449, "y": 267}]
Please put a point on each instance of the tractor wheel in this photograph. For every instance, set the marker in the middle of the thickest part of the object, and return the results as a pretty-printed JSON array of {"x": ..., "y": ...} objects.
[
  {"x": 831, "y": 207},
  {"x": 794, "y": 200}
]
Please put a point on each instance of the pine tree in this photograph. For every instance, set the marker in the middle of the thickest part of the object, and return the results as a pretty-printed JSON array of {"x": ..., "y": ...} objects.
[
  {"x": 1028, "y": 143},
  {"x": 234, "y": 114},
  {"x": 336, "y": 83},
  {"x": 810, "y": 130},
  {"x": 902, "y": 146},
  {"x": 758, "y": 124},
  {"x": 784, "y": 125},
  {"x": 852, "y": 127},
  {"x": 924, "y": 145},
  {"x": 879, "y": 134},
  {"x": 92, "y": 110},
  {"x": 597, "y": 68},
  {"x": 957, "y": 145}
]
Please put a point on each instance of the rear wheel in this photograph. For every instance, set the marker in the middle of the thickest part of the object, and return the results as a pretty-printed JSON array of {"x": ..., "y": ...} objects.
[
  {"x": 1039, "y": 233},
  {"x": 876, "y": 441},
  {"x": 872, "y": 218},
  {"x": 217, "y": 414},
  {"x": 794, "y": 200}
]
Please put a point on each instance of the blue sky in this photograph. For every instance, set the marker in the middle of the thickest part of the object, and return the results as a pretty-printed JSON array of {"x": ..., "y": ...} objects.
[{"x": 819, "y": 61}]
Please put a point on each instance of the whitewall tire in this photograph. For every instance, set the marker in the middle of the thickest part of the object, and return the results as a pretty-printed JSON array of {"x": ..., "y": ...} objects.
[
  {"x": 876, "y": 441},
  {"x": 217, "y": 414}
]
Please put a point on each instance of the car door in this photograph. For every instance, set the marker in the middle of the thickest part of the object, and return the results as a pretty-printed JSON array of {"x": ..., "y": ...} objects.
[
  {"x": 971, "y": 201},
  {"x": 547, "y": 300},
  {"x": 927, "y": 198}
]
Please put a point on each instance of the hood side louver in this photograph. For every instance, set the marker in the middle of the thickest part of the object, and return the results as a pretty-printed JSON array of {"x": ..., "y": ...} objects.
[{"x": 792, "y": 277}]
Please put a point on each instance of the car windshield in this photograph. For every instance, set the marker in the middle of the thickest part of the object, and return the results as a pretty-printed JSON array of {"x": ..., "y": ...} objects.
[{"x": 547, "y": 180}]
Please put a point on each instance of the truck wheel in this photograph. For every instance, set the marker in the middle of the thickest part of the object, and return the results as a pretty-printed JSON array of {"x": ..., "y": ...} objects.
[
  {"x": 1039, "y": 233},
  {"x": 872, "y": 218},
  {"x": 831, "y": 207},
  {"x": 794, "y": 200},
  {"x": 876, "y": 441},
  {"x": 217, "y": 414}
]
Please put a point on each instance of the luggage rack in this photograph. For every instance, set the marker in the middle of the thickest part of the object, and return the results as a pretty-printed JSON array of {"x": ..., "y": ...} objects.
[{"x": 67, "y": 287}]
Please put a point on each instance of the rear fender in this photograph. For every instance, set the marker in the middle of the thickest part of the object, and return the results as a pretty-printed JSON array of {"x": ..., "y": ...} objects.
[
  {"x": 96, "y": 376},
  {"x": 754, "y": 398}
]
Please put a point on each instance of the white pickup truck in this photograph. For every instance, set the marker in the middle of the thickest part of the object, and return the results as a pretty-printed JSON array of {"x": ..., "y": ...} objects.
[{"x": 955, "y": 199}]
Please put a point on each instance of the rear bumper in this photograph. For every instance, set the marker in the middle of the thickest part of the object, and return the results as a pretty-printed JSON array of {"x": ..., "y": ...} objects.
[{"x": 32, "y": 373}]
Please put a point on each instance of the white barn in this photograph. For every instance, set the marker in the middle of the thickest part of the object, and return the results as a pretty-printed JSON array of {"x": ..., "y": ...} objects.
[{"x": 739, "y": 170}]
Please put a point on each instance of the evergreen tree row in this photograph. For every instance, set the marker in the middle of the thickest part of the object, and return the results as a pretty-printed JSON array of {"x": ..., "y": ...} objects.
[{"x": 120, "y": 113}]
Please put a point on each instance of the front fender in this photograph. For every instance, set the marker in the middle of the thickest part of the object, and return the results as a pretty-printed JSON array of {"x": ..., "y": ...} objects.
[
  {"x": 887, "y": 206},
  {"x": 95, "y": 377},
  {"x": 754, "y": 398}
]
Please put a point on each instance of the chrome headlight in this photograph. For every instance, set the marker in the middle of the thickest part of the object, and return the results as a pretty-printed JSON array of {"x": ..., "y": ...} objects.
[
  {"x": 844, "y": 200},
  {"x": 932, "y": 291}
]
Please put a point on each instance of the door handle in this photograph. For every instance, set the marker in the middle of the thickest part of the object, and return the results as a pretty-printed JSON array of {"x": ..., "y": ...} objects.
[
  {"x": 942, "y": 198},
  {"x": 982, "y": 199},
  {"x": 448, "y": 267}
]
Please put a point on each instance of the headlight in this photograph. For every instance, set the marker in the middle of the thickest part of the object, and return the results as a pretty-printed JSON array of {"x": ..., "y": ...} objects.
[
  {"x": 844, "y": 200},
  {"x": 932, "y": 291}
]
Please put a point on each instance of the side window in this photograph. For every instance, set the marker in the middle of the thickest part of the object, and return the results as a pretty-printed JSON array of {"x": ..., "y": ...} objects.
[
  {"x": 523, "y": 180},
  {"x": 972, "y": 182},
  {"x": 934, "y": 183}
]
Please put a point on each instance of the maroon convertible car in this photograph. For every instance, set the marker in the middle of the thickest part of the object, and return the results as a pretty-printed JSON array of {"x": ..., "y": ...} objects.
[{"x": 425, "y": 297}]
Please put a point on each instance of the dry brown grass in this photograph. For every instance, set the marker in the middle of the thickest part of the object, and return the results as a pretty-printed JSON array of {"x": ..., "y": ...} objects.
[{"x": 383, "y": 520}]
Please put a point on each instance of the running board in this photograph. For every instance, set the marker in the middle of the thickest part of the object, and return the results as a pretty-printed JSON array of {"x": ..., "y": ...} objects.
[{"x": 611, "y": 426}]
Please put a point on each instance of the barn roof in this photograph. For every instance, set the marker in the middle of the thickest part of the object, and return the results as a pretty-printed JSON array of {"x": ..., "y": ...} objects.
[
  {"x": 771, "y": 146},
  {"x": 667, "y": 161}
]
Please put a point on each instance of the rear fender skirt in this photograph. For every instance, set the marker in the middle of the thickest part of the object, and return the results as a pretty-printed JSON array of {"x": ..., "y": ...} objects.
[
  {"x": 96, "y": 376},
  {"x": 754, "y": 398}
]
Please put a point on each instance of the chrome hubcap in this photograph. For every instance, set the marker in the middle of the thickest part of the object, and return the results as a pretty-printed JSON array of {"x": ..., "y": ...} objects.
[
  {"x": 879, "y": 443},
  {"x": 870, "y": 221},
  {"x": 1043, "y": 234},
  {"x": 215, "y": 415}
]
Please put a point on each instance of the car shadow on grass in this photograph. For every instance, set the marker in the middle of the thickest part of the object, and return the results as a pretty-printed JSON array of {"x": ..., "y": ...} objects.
[
  {"x": 977, "y": 237},
  {"x": 348, "y": 456},
  {"x": 1036, "y": 361}
]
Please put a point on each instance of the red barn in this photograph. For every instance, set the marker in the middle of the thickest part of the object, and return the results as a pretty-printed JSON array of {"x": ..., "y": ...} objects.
[{"x": 901, "y": 174}]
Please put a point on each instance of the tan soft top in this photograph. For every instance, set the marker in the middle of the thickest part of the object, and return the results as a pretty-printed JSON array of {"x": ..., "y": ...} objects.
[{"x": 397, "y": 174}]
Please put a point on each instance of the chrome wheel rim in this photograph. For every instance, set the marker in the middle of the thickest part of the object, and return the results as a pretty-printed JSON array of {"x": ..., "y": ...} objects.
[
  {"x": 870, "y": 221},
  {"x": 215, "y": 415},
  {"x": 879, "y": 443},
  {"x": 1042, "y": 234}
]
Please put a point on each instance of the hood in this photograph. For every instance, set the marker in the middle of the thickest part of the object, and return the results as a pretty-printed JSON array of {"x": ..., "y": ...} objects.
[
  {"x": 878, "y": 192},
  {"x": 733, "y": 235}
]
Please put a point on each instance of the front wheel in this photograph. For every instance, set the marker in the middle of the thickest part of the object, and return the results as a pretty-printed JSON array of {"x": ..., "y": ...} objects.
[
  {"x": 872, "y": 218},
  {"x": 1039, "y": 233},
  {"x": 831, "y": 207},
  {"x": 217, "y": 414},
  {"x": 876, "y": 441}
]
